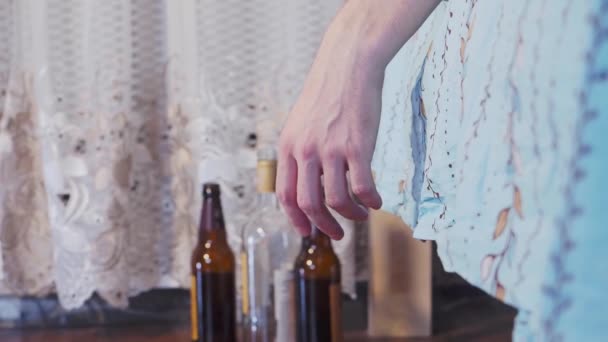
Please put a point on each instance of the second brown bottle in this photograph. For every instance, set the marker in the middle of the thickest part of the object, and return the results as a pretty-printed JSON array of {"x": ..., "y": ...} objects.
[{"x": 317, "y": 290}]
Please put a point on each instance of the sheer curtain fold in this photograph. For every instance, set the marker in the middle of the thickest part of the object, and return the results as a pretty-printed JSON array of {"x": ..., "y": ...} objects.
[{"x": 111, "y": 115}]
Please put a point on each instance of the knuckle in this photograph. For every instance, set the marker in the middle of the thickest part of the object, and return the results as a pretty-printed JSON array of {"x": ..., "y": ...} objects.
[
  {"x": 353, "y": 152},
  {"x": 285, "y": 146},
  {"x": 331, "y": 153},
  {"x": 286, "y": 197},
  {"x": 309, "y": 207},
  {"x": 336, "y": 201},
  {"x": 307, "y": 152},
  {"x": 363, "y": 190}
]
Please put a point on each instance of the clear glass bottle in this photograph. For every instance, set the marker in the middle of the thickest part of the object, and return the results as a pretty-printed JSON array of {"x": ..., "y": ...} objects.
[{"x": 269, "y": 248}]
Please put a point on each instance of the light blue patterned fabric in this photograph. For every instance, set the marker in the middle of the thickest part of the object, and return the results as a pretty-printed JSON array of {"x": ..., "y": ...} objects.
[{"x": 493, "y": 143}]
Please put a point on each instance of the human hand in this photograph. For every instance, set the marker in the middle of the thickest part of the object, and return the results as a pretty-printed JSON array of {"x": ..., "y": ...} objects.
[{"x": 331, "y": 131}]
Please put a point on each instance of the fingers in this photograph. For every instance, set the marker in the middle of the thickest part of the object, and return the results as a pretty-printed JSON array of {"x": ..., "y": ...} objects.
[
  {"x": 287, "y": 179},
  {"x": 307, "y": 201},
  {"x": 337, "y": 195},
  {"x": 362, "y": 183},
  {"x": 310, "y": 199}
]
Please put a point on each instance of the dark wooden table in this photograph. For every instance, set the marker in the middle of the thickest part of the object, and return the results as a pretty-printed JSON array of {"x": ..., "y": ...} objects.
[
  {"x": 164, "y": 334},
  {"x": 460, "y": 313},
  {"x": 471, "y": 319}
]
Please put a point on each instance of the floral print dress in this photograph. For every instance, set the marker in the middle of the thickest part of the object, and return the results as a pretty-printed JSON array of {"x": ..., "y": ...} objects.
[{"x": 492, "y": 143}]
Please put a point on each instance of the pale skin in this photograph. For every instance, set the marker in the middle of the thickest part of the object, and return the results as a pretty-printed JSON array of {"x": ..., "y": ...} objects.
[{"x": 327, "y": 143}]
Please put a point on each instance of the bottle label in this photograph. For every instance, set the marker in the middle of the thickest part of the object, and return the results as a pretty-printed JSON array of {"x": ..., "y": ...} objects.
[
  {"x": 335, "y": 302},
  {"x": 244, "y": 285},
  {"x": 193, "y": 309},
  {"x": 284, "y": 304}
]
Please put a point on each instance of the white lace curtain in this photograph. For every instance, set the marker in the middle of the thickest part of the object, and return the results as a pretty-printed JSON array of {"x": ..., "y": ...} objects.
[{"x": 111, "y": 114}]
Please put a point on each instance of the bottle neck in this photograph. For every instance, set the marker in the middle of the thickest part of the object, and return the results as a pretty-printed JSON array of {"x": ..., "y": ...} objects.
[
  {"x": 318, "y": 238},
  {"x": 267, "y": 199},
  {"x": 212, "y": 219}
]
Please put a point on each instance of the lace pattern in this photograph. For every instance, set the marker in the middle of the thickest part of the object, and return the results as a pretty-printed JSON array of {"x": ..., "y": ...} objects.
[{"x": 114, "y": 112}]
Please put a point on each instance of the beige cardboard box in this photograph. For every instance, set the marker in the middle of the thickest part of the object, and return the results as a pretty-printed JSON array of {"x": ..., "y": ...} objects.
[{"x": 400, "y": 292}]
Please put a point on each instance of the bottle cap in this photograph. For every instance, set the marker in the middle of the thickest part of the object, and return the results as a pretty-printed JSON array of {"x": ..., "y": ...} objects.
[
  {"x": 211, "y": 190},
  {"x": 266, "y": 170}
]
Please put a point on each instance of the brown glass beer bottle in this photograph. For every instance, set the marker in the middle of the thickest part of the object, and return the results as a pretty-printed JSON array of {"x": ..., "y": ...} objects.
[
  {"x": 317, "y": 290},
  {"x": 212, "y": 295}
]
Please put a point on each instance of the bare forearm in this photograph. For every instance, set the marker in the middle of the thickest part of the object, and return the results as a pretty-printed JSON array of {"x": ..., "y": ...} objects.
[{"x": 370, "y": 32}]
